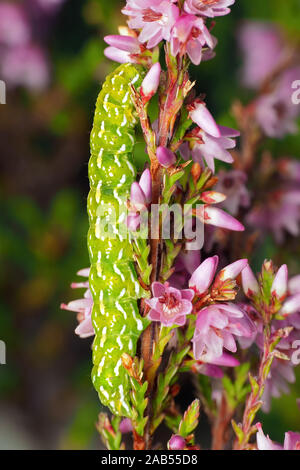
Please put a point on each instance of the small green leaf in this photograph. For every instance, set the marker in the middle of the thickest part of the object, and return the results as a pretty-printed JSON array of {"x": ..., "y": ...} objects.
[
  {"x": 190, "y": 419},
  {"x": 238, "y": 431}
]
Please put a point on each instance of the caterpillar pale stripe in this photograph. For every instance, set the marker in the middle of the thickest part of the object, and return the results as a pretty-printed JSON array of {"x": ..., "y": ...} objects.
[{"x": 113, "y": 279}]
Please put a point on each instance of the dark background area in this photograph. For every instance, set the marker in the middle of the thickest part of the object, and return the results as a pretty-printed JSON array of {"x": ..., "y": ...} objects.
[{"x": 46, "y": 395}]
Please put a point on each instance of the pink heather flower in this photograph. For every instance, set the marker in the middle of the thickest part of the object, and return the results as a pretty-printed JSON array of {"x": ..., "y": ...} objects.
[
  {"x": 185, "y": 265},
  {"x": 216, "y": 327},
  {"x": 14, "y": 28},
  {"x": 209, "y": 8},
  {"x": 218, "y": 218},
  {"x": 155, "y": 18},
  {"x": 204, "y": 146},
  {"x": 203, "y": 118},
  {"x": 212, "y": 197},
  {"x": 291, "y": 305},
  {"x": 203, "y": 276},
  {"x": 176, "y": 443},
  {"x": 263, "y": 50},
  {"x": 26, "y": 66},
  {"x": 279, "y": 213},
  {"x": 151, "y": 82},
  {"x": 232, "y": 270},
  {"x": 280, "y": 283},
  {"x": 140, "y": 198},
  {"x": 232, "y": 184},
  {"x": 125, "y": 426},
  {"x": 169, "y": 305},
  {"x": 165, "y": 157},
  {"x": 249, "y": 282},
  {"x": 189, "y": 36},
  {"x": 264, "y": 442},
  {"x": 291, "y": 441},
  {"x": 212, "y": 369},
  {"x": 83, "y": 306},
  {"x": 275, "y": 112},
  {"x": 123, "y": 49}
]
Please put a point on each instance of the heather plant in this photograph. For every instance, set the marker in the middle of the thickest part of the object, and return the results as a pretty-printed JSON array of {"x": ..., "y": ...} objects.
[{"x": 170, "y": 290}]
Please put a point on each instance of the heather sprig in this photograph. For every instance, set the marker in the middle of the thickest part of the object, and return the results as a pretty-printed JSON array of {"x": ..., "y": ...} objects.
[{"x": 202, "y": 311}]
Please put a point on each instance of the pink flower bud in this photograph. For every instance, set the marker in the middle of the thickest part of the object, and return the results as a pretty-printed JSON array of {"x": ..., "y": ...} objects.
[
  {"x": 137, "y": 196},
  {"x": 204, "y": 274},
  {"x": 249, "y": 282},
  {"x": 151, "y": 82},
  {"x": 176, "y": 443},
  {"x": 232, "y": 270},
  {"x": 212, "y": 197},
  {"x": 146, "y": 184},
  {"x": 290, "y": 306},
  {"x": 264, "y": 442},
  {"x": 165, "y": 157},
  {"x": 280, "y": 283},
  {"x": 219, "y": 218},
  {"x": 133, "y": 221},
  {"x": 125, "y": 426},
  {"x": 201, "y": 116},
  {"x": 117, "y": 55},
  {"x": 125, "y": 43}
]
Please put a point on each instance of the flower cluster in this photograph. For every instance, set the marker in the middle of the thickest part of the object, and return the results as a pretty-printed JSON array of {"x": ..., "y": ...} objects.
[
  {"x": 216, "y": 324},
  {"x": 208, "y": 141},
  {"x": 150, "y": 22},
  {"x": 83, "y": 307}
]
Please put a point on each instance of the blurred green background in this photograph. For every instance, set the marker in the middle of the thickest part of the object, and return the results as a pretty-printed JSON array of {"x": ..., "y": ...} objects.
[{"x": 46, "y": 396}]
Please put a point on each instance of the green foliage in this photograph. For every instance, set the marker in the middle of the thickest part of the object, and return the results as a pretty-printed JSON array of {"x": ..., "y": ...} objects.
[
  {"x": 190, "y": 419},
  {"x": 238, "y": 388},
  {"x": 138, "y": 392},
  {"x": 109, "y": 432}
]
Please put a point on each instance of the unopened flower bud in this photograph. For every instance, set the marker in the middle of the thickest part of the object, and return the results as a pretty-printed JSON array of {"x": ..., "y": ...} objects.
[
  {"x": 280, "y": 283},
  {"x": 290, "y": 306},
  {"x": 151, "y": 82},
  {"x": 165, "y": 157},
  {"x": 176, "y": 443},
  {"x": 249, "y": 282},
  {"x": 125, "y": 426},
  {"x": 232, "y": 270},
  {"x": 219, "y": 218},
  {"x": 212, "y": 197},
  {"x": 201, "y": 116}
]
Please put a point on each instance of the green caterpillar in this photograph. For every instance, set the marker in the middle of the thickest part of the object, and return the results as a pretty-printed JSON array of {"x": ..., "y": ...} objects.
[{"x": 113, "y": 279}]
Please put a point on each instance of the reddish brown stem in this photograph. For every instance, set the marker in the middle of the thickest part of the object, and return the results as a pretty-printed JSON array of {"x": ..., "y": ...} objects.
[
  {"x": 221, "y": 425},
  {"x": 256, "y": 394}
]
